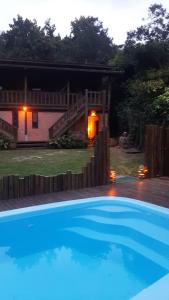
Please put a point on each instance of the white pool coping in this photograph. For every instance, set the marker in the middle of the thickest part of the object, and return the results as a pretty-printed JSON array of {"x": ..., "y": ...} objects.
[
  {"x": 158, "y": 290},
  {"x": 120, "y": 200}
]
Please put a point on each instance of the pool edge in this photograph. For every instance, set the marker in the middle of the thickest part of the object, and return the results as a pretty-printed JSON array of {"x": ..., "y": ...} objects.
[{"x": 158, "y": 290}]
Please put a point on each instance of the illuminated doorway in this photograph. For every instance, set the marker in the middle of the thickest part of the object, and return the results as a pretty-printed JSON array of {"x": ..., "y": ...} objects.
[{"x": 93, "y": 125}]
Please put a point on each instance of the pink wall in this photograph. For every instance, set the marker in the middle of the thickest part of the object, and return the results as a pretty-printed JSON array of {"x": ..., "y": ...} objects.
[
  {"x": 7, "y": 116},
  {"x": 45, "y": 121}
]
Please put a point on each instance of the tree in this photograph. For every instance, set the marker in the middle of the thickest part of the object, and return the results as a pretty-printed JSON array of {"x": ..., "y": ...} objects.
[
  {"x": 145, "y": 60},
  {"x": 160, "y": 107},
  {"x": 91, "y": 43},
  {"x": 26, "y": 40},
  {"x": 157, "y": 28},
  {"x": 87, "y": 43},
  {"x": 148, "y": 46}
]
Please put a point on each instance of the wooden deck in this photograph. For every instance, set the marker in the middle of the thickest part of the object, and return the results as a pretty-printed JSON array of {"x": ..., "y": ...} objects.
[{"x": 154, "y": 190}]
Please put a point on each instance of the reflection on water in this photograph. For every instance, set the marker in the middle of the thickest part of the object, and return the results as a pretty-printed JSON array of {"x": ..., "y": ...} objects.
[{"x": 66, "y": 274}]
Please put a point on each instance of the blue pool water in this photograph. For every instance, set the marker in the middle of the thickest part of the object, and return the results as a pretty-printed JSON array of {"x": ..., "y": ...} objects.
[{"x": 95, "y": 249}]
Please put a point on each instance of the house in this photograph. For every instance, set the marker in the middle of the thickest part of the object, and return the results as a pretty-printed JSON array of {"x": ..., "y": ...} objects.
[{"x": 41, "y": 100}]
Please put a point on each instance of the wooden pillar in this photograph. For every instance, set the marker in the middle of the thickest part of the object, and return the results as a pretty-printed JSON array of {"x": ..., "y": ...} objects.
[
  {"x": 25, "y": 108},
  {"x": 109, "y": 93},
  {"x": 26, "y": 126},
  {"x": 86, "y": 115},
  {"x": 25, "y": 90},
  {"x": 68, "y": 94},
  {"x": 103, "y": 107}
]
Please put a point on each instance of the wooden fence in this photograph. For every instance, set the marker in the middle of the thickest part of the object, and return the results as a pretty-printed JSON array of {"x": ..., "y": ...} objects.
[
  {"x": 157, "y": 150},
  {"x": 95, "y": 173}
]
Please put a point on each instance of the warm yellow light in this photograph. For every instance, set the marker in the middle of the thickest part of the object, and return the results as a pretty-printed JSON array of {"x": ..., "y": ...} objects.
[
  {"x": 93, "y": 113},
  {"x": 92, "y": 119},
  {"x": 89, "y": 129},
  {"x": 25, "y": 108},
  {"x": 145, "y": 170},
  {"x": 142, "y": 172},
  {"x": 113, "y": 176}
]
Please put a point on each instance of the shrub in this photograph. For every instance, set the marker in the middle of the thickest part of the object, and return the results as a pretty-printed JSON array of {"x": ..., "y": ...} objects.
[
  {"x": 66, "y": 142},
  {"x": 4, "y": 142}
]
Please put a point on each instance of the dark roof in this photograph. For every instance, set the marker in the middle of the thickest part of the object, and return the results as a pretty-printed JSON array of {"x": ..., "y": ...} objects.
[{"x": 23, "y": 64}]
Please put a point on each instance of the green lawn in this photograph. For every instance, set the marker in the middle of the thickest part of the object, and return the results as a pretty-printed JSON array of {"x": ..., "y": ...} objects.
[
  {"x": 50, "y": 162},
  {"x": 125, "y": 164}
]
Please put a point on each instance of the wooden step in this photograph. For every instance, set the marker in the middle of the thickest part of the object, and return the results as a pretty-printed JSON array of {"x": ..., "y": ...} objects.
[{"x": 32, "y": 144}]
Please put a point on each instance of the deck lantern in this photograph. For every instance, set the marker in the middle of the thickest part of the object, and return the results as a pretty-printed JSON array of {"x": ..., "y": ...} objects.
[
  {"x": 142, "y": 172},
  {"x": 113, "y": 176}
]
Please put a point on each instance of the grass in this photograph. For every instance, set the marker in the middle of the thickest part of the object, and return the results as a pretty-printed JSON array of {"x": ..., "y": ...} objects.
[
  {"x": 51, "y": 162},
  {"x": 125, "y": 164}
]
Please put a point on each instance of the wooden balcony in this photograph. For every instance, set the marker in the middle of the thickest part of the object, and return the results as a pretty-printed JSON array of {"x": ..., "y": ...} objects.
[{"x": 50, "y": 100}]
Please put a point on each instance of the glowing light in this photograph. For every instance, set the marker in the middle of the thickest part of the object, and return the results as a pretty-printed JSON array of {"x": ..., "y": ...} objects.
[
  {"x": 142, "y": 172},
  {"x": 25, "y": 108},
  {"x": 113, "y": 176},
  {"x": 92, "y": 119},
  {"x": 93, "y": 113}
]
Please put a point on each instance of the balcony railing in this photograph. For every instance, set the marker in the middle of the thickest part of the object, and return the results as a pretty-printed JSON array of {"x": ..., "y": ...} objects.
[{"x": 48, "y": 99}]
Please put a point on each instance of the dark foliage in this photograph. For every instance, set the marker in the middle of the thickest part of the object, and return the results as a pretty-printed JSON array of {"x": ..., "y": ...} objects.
[
  {"x": 88, "y": 42},
  {"x": 66, "y": 142},
  {"x": 143, "y": 91}
]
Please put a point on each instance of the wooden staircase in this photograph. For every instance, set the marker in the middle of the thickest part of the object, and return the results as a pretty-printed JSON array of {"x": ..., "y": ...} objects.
[
  {"x": 74, "y": 113},
  {"x": 79, "y": 107},
  {"x": 8, "y": 130}
]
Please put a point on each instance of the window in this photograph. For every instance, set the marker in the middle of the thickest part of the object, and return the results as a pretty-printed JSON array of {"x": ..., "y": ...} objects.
[{"x": 34, "y": 119}]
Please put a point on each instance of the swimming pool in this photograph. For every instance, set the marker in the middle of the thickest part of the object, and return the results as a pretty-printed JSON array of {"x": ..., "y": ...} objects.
[{"x": 104, "y": 248}]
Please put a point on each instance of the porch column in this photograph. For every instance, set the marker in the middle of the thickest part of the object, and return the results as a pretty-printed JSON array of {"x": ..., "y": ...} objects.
[
  {"x": 25, "y": 90},
  {"x": 68, "y": 94},
  {"x": 109, "y": 92},
  {"x": 86, "y": 115},
  {"x": 108, "y": 100},
  {"x": 25, "y": 109},
  {"x": 104, "y": 107}
]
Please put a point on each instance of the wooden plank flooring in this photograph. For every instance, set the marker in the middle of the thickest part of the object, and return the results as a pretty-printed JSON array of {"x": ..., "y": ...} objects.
[{"x": 154, "y": 190}]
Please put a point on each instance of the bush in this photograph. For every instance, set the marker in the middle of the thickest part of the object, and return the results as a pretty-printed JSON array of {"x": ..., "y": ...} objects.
[
  {"x": 4, "y": 142},
  {"x": 66, "y": 142}
]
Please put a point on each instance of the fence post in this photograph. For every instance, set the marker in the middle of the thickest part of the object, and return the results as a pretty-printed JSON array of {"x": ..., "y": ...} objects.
[
  {"x": 156, "y": 156},
  {"x": 86, "y": 115}
]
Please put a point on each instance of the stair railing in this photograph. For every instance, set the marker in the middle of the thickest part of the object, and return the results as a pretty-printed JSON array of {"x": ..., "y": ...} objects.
[
  {"x": 67, "y": 117},
  {"x": 8, "y": 129}
]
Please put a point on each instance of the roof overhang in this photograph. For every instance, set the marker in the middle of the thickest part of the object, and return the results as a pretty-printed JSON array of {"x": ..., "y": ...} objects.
[{"x": 70, "y": 67}]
